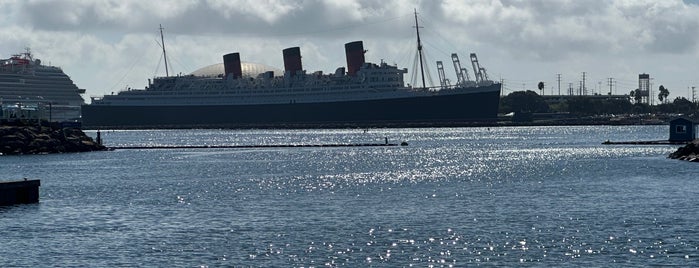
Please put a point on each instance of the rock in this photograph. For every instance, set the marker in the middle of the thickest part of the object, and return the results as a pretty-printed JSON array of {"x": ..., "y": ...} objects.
[
  {"x": 689, "y": 152},
  {"x": 44, "y": 139}
]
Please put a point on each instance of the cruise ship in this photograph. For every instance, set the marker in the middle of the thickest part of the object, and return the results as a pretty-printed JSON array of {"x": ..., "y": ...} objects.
[
  {"x": 363, "y": 94},
  {"x": 26, "y": 82}
]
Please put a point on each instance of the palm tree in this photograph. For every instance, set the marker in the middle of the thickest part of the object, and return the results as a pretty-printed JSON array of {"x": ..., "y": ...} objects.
[
  {"x": 663, "y": 94},
  {"x": 636, "y": 95}
]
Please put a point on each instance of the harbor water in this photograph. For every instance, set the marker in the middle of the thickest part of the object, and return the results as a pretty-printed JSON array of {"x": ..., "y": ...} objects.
[{"x": 454, "y": 197}]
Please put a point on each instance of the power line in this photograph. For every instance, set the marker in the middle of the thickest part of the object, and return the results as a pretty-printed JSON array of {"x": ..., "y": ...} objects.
[
  {"x": 584, "y": 90},
  {"x": 558, "y": 77}
]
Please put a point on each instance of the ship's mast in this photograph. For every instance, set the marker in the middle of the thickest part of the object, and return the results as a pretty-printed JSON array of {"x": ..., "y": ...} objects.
[
  {"x": 28, "y": 53},
  {"x": 419, "y": 50},
  {"x": 162, "y": 41}
]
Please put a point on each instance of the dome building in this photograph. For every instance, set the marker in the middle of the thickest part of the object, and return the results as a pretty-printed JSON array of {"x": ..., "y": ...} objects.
[{"x": 249, "y": 70}]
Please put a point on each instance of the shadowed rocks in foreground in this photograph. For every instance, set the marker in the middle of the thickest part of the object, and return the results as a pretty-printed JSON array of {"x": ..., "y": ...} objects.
[
  {"x": 689, "y": 152},
  {"x": 44, "y": 139}
]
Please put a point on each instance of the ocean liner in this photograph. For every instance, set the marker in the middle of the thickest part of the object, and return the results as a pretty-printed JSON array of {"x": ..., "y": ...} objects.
[
  {"x": 364, "y": 95},
  {"x": 25, "y": 83}
]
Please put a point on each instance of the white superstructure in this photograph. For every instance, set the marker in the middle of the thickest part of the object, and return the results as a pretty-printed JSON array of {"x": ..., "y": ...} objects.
[{"x": 372, "y": 82}]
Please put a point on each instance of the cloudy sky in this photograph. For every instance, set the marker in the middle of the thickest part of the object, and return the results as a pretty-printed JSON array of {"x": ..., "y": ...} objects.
[{"x": 108, "y": 45}]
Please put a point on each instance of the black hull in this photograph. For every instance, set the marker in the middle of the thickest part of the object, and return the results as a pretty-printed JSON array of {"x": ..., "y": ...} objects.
[{"x": 437, "y": 110}]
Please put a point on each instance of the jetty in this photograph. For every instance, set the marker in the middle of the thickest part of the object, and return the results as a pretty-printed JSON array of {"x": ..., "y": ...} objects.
[
  {"x": 19, "y": 192},
  {"x": 689, "y": 152},
  {"x": 25, "y": 137}
]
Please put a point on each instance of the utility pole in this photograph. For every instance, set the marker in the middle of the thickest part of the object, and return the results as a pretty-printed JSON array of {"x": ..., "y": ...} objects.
[
  {"x": 650, "y": 92},
  {"x": 558, "y": 77},
  {"x": 584, "y": 90},
  {"x": 694, "y": 93},
  {"x": 570, "y": 89},
  {"x": 502, "y": 85},
  {"x": 580, "y": 88},
  {"x": 610, "y": 82}
]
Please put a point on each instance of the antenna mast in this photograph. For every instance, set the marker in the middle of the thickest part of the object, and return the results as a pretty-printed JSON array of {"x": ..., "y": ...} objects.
[
  {"x": 162, "y": 41},
  {"x": 419, "y": 50}
]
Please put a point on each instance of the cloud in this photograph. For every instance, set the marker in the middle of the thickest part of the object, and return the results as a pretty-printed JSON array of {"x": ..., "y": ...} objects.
[
  {"x": 268, "y": 11},
  {"x": 560, "y": 30},
  {"x": 191, "y": 17},
  {"x": 98, "y": 41}
]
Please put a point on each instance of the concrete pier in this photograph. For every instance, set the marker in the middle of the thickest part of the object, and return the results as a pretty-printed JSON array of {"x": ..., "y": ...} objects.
[{"x": 19, "y": 192}]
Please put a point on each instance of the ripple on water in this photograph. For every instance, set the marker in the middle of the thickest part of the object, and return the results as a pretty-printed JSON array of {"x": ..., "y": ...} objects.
[{"x": 454, "y": 197}]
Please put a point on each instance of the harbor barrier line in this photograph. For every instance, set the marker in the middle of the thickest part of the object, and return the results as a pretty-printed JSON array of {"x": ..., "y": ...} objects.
[
  {"x": 658, "y": 142},
  {"x": 251, "y": 146}
]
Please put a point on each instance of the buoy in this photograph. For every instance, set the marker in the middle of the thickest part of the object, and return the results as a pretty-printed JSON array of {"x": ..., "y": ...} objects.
[{"x": 405, "y": 143}]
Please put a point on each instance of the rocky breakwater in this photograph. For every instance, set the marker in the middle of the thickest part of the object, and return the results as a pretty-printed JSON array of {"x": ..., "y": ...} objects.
[
  {"x": 44, "y": 139},
  {"x": 689, "y": 152}
]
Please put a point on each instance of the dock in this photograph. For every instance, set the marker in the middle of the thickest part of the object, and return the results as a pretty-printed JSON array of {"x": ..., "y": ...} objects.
[
  {"x": 682, "y": 132},
  {"x": 256, "y": 146},
  {"x": 19, "y": 192}
]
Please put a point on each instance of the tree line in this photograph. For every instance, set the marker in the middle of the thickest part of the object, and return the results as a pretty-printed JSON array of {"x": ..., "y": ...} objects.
[{"x": 531, "y": 102}]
